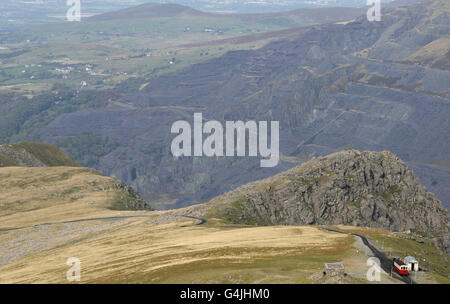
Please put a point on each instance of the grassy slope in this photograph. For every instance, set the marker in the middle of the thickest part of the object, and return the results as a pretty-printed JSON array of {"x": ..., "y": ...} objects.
[
  {"x": 49, "y": 155},
  {"x": 402, "y": 244},
  {"x": 138, "y": 252},
  {"x": 30, "y": 196}
]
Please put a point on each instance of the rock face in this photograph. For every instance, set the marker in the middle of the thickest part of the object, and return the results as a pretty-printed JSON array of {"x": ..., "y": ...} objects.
[
  {"x": 129, "y": 199},
  {"x": 19, "y": 157},
  {"x": 373, "y": 189}
]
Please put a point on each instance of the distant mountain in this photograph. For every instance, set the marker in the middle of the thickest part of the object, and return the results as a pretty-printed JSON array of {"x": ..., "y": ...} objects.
[
  {"x": 155, "y": 10},
  {"x": 23, "y": 14},
  {"x": 149, "y": 10}
]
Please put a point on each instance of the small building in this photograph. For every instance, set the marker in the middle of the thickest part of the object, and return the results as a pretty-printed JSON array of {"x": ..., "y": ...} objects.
[
  {"x": 334, "y": 269},
  {"x": 412, "y": 263}
]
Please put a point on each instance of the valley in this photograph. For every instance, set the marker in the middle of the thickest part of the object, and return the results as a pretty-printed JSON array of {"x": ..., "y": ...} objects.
[{"x": 144, "y": 41}]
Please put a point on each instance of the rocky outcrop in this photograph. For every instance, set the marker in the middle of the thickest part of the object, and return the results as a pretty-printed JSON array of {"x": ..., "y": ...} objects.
[
  {"x": 129, "y": 199},
  {"x": 18, "y": 157},
  {"x": 372, "y": 189}
]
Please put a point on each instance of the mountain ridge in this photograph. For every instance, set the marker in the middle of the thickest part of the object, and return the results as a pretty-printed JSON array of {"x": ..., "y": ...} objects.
[
  {"x": 149, "y": 10},
  {"x": 156, "y": 10},
  {"x": 369, "y": 189}
]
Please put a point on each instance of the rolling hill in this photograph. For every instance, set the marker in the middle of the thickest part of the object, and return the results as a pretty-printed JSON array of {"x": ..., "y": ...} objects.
[
  {"x": 38, "y": 178},
  {"x": 150, "y": 10}
]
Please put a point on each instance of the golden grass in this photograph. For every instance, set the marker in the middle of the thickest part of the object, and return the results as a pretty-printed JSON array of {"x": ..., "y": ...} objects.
[
  {"x": 61, "y": 213},
  {"x": 31, "y": 196},
  {"x": 139, "y": 252},
  {"x": 70, "y": 208}
]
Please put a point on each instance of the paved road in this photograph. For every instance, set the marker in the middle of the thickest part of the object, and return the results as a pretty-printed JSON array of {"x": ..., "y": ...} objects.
[
  {"x": 386, "y": 262},
  {"x": 202, "y": 220}
]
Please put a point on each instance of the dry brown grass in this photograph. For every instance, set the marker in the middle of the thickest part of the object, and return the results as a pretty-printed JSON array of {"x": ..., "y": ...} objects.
[
  {"x": 140, "y": 252},
  {"x": 31, "y": 196},
  {"x": 63, "y": 212}
]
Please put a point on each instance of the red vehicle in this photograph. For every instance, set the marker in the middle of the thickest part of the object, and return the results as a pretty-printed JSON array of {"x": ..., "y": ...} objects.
[{"x": 400, "y": 267}]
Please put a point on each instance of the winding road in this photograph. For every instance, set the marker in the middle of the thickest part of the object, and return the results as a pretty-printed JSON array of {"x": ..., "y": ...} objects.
[
  {"x": 386, "y": 262},
  {"x": 202, "y": 220}
]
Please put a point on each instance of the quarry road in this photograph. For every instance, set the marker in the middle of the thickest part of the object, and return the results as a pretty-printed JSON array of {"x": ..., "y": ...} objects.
[{"x": 386, "y": 262}]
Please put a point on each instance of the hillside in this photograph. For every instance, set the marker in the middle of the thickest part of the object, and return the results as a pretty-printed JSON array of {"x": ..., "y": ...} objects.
[
  {"x": 149, "y": 10},
  {"x": 38, "y": 178},
  {"x": 104, "y": 51},
  {"x": 29, "y": 154},
  {"x": 435, "y": 55},
  {"x": 354, "y": 188}
]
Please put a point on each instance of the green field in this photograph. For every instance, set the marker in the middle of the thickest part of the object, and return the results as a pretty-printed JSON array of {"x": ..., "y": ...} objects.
[{"x": 101, "y": 54}]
